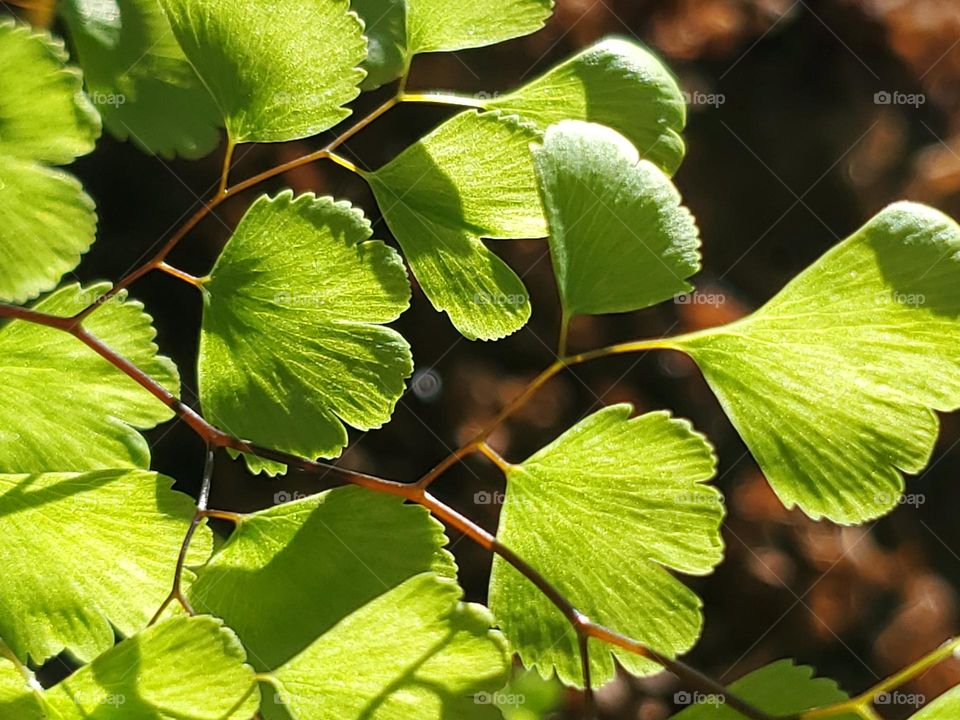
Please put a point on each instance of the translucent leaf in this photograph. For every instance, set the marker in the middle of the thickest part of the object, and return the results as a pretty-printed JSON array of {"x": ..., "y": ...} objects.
[
  {"x": 291, "y": 344},
  {"x": 317, "y": 560},
  {"x": 781, "y": 688},
  {"x": 833, "y": 383},
  {"x": 604, "y": 512},
  {"x": 399, "y": 29},
  {"x": 415, "y": 651},
  {"x": 182, "y": 668},
  {"x": 278, "y": 69},
  {"x": 46, "y": 220},
  {"x": 619, "y": 237},
  {"x": 139, "y": 78},
  {"x": 616, "y": 83},
  {"x": 945, "y": 707},
  {"x": 66, "y": 408},
  {"x": 84, "y": 553},
  {"x": 472, "y": 177},
  {"x": 18, "y": 697}
]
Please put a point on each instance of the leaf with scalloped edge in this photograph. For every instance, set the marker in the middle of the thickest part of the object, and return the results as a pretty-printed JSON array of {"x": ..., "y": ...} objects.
[
  {"x": 617, "y": 83},
  {"x": 834, "y": 382},
  {"x": 471, "y": 177},
  {"x": 605, "y": 512},
  {"x": 47, "y": 221},
  {"x": 187, "y": 667},
  {"x": 67, "y": 409},
  {"x": 385, "y": 27},
  {"x": 278, "y": 69},
  {"x": 292, "y": 345},
  {"x": 139, "y": 79},
  {"x": 619, "y": 238},
  {"x": 416, "y": 651},
  {"x": 781, "y": 688},
  {"x": 84, "y": 553}
]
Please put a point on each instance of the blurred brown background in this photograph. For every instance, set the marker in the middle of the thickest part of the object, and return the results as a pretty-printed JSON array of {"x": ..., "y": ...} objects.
[{"x": 790, "y": 148}]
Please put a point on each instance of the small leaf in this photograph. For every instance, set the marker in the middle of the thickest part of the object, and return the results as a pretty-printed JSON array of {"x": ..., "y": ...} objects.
[
  {"x": 619, "y": 237},
  {"x": 278, "y": 69},
  {"x": 291, "y": 342},
  {"x": 86, "y": 551},
  {"x": 139, "y": 78},
  {"x": 46, "y": 220},
  {"x": 19, "y": 698},
  {"x": 66, "y": 408},
  {"x": 604, "y": 512},
  {"x": 945, "y": 707},
  {"x": 188, "y": 667},
  {"x": 779, "y": 689},
  {"x": 616, "y": 83},
  {"x": 270, "y": 569},
  {"x": 385, "y": 26},
  {"x": 415, "y": 652},
  {"x": 832, "y": 384},
  {"x": 472, "y": 177}
]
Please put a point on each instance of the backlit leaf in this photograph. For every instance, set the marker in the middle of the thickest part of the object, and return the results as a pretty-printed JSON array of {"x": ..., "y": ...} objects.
[{"x": 945, "y": 707}]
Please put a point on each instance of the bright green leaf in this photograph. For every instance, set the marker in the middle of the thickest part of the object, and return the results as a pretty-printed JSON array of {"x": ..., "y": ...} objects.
[
  {"x": 19, "y": 697},
  {"x": 619, "y": 237},
  {"x": 82, "y": 552},
  {"x": 46, "y": 220},
  {"x": 415, "y": 652},
  {"x": 780, "y": 688},
  {"x": 317, "y": 560},
  {"x": 472, "y": 177},
  {"x": 833, "y": 383},
  {"x": 291, "y": 342},
  {"x": 385, "y": 23},
  {"x": 604, "y": 512},
  {"x": 945, "y": 707},
  {"x": 138, "y": 77},
  {"x": 278, "y": 69},
  {"x": 182, "y": 668},
  {"x": 616, "y": 83},
  {"x": 64, "y": 407}
]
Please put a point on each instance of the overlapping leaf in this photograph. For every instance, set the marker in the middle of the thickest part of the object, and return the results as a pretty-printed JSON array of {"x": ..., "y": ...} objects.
[
  {"x": 400, "y": 29},
  {"x": 604, "y": 512},
  {"x": 779, "y": 689},
  {"x": 619, "y": 237},
  {"x": 139, "y": 79},
  {"x": 47, "y": 221},
  {"x": 945, "y": 707},
  {"x": 291, "y": 345},
  {"x": 833, "y": 383},
  {"x": 84, "y": 553},
  {"x": 67, "y": 409},
  {"x": 616, "y": 83},
  {"x": 472, "y": 177},
  {"x": 188, "y": 667},
  {"x": 18, "y": 697},
  {"x": 278, "y": 69}
]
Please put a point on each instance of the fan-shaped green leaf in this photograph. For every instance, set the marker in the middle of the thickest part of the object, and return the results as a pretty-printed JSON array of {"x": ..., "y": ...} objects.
[
  {"x": 67, "y": 409},
  {"x": 604, "y": 512},
  {"x": 616, "y": 83},
  {"x": 291, "y": 344},
  {"x": 833, "y": 383},
  {"x": 46, "y": 220},
  {"x": 472, "y": 177},
  {"x": 619, "y": 237},
  {"x": 139, "y": 78},
  {"x": 415, "y": 651},
  {"x": 270, "y": 570},
  {"x": 19, "y": 697},
  {"x": 278, "y": 69},
  {"x": 399, "y": 29},
  {"x": 779, "y": 689},
  {"x": 945, "y": 707},
  {"x": 82, "y": 552},
  {"x": 182, "y": 668}
]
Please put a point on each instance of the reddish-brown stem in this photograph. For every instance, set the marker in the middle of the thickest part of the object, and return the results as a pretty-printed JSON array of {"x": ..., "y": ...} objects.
[{"x": 215, "y": 438}]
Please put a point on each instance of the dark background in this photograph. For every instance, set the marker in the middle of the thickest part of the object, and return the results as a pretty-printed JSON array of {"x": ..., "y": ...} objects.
[{"x": 796, "y": 157}]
